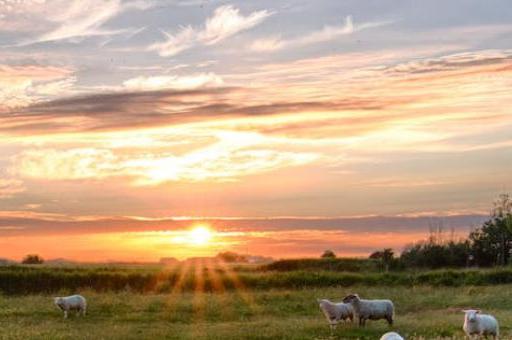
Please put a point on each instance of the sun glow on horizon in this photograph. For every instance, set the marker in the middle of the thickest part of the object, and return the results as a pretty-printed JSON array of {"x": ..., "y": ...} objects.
[{"x": 200, "y": 235}]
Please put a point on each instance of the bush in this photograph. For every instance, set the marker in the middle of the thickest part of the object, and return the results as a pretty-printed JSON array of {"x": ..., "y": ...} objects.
[{"x": 32, "y": 259}]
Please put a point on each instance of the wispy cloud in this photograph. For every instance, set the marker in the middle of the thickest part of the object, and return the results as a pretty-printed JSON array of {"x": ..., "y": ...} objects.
[
  {"x": 225, "y": 22},
  {"x": 55, "y": 20},
  {"x": 189, "y": 82},
  {"x": 327, "y": 33}
]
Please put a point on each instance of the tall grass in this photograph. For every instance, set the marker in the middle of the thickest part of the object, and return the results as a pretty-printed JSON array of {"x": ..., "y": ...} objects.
[
  {"x": 43, "y": 279},
  {"x": 341, "y": 264}
]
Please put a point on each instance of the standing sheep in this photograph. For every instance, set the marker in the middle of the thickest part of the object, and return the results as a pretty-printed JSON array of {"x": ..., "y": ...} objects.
[
  {"x": 73, "y": 302},
  {"x": 371, "y": 309},
  {"x": 335, "y": 312},
  {"x": 391, "y": 336},
  {"x": 480, "y": 324}
]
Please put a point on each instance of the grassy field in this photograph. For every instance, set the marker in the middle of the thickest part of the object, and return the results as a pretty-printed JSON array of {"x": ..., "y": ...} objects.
[{"x": 422, "y": 312}]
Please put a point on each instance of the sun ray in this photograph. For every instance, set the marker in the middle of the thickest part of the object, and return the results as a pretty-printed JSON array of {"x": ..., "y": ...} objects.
[
  {"x": 181, "y": 279},
  {"x": 216, "y": 282},
  {"x": 198, "y": 301},
  {"x": 219, "y": 290},
  {"x": 177, "y": 276},
  {"x": 240, "y": 288}
]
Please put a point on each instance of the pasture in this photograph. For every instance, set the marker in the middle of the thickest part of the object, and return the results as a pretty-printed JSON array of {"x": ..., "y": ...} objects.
[
  {"x": 223, "y": 302},
  {"x": 422, "y": 312}
]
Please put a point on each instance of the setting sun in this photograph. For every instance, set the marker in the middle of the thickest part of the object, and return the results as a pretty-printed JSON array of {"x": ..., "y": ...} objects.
[{"x": 200, "y": 235}]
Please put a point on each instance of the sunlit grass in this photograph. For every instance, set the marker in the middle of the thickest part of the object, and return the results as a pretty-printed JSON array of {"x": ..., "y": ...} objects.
[{"x": 427, "y": 312}]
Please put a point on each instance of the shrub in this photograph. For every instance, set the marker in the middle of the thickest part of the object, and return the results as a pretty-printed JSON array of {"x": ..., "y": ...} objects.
[{"x": 32, "y": 259}]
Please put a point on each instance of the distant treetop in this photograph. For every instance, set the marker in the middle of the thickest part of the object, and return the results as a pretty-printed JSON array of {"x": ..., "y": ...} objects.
[
  {"x": 32, "y": 259},
  {"x": 328, "y": 254}
]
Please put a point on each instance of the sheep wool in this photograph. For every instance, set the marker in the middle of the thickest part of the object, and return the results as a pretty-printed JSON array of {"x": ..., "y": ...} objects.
[
  {"x": 480, "y": 324},
  {"x": 69, "y": 303},
  {"x": 335, "y": 312},
  {"x": 391, "y": 336},
  {"x": 371, "y": 309}
]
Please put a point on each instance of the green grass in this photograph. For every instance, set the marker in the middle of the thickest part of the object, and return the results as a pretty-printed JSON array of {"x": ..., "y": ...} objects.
[{"x": 422, "y": 312}]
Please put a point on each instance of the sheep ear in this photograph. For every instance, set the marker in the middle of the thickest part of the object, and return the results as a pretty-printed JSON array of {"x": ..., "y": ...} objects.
[{"x": 477, "y": 311}]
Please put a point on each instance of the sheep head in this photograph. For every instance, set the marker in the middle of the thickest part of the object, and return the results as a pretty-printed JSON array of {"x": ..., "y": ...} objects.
[
  {"x": 58, "y": 301},
  {"x": 350, "y": 298},
  {"x": 471, "y": 314}
]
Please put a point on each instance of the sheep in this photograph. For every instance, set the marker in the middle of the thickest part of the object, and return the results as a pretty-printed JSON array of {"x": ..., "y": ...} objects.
[
  {"x": 335, "y": 312},
  {"x": 480, "y": 324},
  {"x": 73, "y": 302},
  {"x": 371, "y": 309},
  {"x": 391, "y": 336}
]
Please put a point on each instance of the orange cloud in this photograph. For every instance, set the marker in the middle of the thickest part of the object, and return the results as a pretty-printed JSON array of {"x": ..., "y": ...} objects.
[
  {"x": 23, "y": 85},
  {"x": 336, "y": 125}
]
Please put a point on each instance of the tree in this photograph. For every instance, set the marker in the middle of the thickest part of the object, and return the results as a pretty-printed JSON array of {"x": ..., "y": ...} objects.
[
  {"x": 491, "y": 244},
  {"x": 434, "y": 253},
  {"x": 328, "y": 254},
  {"x": 32, "y": 259},
  {"x": 502, "y": 206},
  {"x": 385, "y": 256}
]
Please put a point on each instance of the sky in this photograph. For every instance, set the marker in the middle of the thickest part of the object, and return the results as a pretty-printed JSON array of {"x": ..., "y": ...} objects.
[{"x": 286, "y": 127}]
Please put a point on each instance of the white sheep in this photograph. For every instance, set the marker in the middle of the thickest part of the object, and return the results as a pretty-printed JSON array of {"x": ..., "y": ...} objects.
[
  {"x": 73, "y": 302},
  {"x": 391, "y": 336},
  {"x": 371, "y": 309},
  {"x": 480, "y": 324},
  {"x": 335, "y": 312}
]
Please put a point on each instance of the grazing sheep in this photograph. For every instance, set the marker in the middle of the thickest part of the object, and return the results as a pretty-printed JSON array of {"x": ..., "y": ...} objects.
[
  {"x": 73, "y": 302},
  {"x": 371, "y": 309},
  {"x": 480, "y": 324},
  {"x": 391, "y": 336},
  {"x": 335, "y": 312}
]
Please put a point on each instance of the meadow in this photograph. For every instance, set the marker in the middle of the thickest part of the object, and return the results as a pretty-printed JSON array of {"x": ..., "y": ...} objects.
[
  {"x": 211, "y": 300},
  {"x": 422, "y": 312}
]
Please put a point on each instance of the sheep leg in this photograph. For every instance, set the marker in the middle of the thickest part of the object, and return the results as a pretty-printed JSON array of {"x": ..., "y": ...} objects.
[
  {"x": 362, "y": 321},
  {"x": 65, "y": 314},
  {"x": 390, "y": 320}
]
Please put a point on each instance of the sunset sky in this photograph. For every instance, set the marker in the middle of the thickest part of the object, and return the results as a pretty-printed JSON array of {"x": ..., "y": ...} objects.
[{"x": 286, "y": 127}]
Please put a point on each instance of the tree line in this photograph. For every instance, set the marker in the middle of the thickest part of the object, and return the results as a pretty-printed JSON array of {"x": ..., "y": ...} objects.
[{"x": 487, "y": 246}]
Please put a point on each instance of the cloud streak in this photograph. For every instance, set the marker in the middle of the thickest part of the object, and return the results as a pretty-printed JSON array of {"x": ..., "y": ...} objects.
[
  {"x": 327, "y": 33},
  {"x": 27, "y": 223},
  {"x": 225, "y": 22},
  {"x": 10, "y": 187}
]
